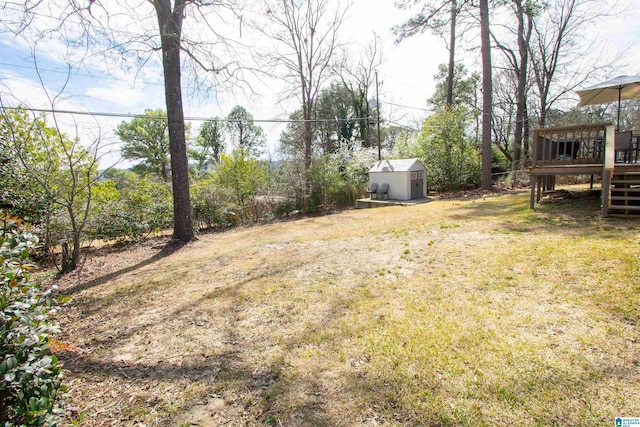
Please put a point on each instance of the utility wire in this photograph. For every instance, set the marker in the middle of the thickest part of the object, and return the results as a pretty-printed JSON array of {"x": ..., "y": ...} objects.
[
  {"x": 405, "y": 106},
  {"x": 162, "y": 84},
  {"x": 148, "y": 116},
  {"x": 48, "y": 70},
  {"x": 72, "y": 21},
  {"x": 409, "y": 85}
]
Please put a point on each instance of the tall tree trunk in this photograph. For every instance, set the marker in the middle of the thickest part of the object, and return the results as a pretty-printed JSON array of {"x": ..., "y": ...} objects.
[
  {"x": 452, "y": 51},
  {"x": 307, "y": 143},
  {"x": 524, "y": 38},
  {"x": 164, "y": 172},
  {"x": 307, "y": 110},
  {"x": 543, "y": 112},
  {"x": 487, "y": 95},
  {"x": 75, "y": 252},
  {"x": 525, "y": 134},
  {"x": 170, "y": 25}
]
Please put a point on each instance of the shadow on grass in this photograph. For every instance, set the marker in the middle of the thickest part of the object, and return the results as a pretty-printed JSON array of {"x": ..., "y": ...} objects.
[
  {"x": 166, "y": 251},
  {"x": 285, "y": 392},
  {"x": 296, "y": 396},
  {"x": 579, "y": 214},
  {"x": 228, "y": 371}
]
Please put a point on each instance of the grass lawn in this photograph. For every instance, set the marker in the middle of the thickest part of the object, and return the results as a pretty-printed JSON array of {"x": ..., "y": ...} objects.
[{"x": 455, "y": 312}]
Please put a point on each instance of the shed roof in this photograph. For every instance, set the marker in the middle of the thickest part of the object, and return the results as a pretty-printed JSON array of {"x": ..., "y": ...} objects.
[{"x": 398, "y": 165}]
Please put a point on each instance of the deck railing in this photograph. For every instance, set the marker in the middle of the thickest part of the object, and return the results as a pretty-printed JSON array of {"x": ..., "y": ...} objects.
[
  {"x": 634, "y": 155},
  {"x": 569, "y": 145}
]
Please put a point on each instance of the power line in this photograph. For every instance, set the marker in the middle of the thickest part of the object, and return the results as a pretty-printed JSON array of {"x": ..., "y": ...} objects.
[
  {"x": 158, "y": 84},
  {"x": 405, "y": 127},
  {"x": 48, "y": 70},
  {"x": 409, "y": 85},
  {"x": 200, "y": 119},
  {"x": 72, "y": 21},
  {"x": 405, "y": 106}
]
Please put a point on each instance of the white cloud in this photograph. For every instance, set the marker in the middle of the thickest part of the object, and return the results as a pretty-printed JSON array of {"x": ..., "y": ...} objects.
[{"x": 121, "y": 97}]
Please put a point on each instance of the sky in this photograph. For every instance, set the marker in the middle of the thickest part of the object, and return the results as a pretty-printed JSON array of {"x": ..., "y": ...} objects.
[{"x": 406, "y": 76}]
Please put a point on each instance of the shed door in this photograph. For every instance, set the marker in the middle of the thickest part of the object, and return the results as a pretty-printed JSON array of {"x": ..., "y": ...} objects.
[{"x": 417, "y": 184}]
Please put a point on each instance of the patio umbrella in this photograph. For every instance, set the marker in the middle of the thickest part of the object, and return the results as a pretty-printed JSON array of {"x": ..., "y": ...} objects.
[{"x": 616, "y": 89}]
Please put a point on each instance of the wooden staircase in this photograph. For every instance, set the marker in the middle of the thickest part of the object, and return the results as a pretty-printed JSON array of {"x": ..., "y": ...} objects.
[{"x": 625, "y": 191}]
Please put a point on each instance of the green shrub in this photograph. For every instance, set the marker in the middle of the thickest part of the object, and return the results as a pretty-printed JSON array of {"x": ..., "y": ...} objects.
[
  {"x": 290, "y": 182},
  {"x": 325, "y": 180},
  {"x": 30, "y": 374},
  {"x": 339, "y": 178},
  {"x": 240, "y": 175},
  {"x": 451, "y": 159},
  {"x": 142, "y": 206},
  {"x": 210, "y": 204},
  {"x": 284, "y": 208}
]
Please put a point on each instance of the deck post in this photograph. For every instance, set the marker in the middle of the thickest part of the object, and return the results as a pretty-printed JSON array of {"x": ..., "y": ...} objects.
[
  {"x": 532, "y": 200},
  {"x": 606, "y": 191},
  {"x": 607, "y": 171},
  {"x": 539, "y": 187}
]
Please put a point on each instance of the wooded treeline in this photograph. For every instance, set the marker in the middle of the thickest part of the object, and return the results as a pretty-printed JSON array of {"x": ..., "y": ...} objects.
[{"x": 533, "y": 56}]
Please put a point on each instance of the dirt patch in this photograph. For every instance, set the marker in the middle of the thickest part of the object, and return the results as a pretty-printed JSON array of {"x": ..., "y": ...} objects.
[
  {"x": 456, "y": 311},
  {"x": 471, "y": 194},
  {"x": 567, "y": 196}
]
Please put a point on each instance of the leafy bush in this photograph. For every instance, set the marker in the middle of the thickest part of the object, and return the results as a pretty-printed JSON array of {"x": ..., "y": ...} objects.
[
  {"x": 20, "y": 193},
  {"x": 211, "y": 204},
  {"x": 30, "y": 374},
  {"x": 284, "y": 208},
  {"x": 339, "y": 178},
  {"x": 290, "y": 183},
  {"x": 143, "y": 205},
  {"x": 451, "y": 159},
  {"x": 355, "y": 162},
  {"x": 241, "y": 175},
  {"x": 325, "y": 180}
]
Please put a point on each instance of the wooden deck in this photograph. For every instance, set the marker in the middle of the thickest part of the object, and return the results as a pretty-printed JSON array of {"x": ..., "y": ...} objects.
[
  {"x": 588, "y": 150},
  {"x": 585, "y": 169}
]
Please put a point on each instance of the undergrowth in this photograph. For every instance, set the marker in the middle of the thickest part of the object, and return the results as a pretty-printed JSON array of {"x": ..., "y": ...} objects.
[{"x": 30, "y": 374}]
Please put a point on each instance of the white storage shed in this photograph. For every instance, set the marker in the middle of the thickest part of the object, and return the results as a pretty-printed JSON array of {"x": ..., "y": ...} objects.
[{"x": 406, "y": 179}]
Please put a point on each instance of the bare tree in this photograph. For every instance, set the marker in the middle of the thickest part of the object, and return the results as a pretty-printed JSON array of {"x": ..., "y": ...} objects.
[
  {"x": 105, "y": 28},
  {"x": 518, "y": 59},
  {"x": 504, "y": 110},
  {"x": 359, "y": 79},
  {"x": 558, "y": 61},
  {"x": 63, "y": 168},
  {"x": 307, "y": 37},
  {"x": 440, "y": 17}
]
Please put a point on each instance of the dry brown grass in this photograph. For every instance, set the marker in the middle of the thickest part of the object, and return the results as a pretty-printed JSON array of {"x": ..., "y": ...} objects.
[{"x": 456, "y": 312}]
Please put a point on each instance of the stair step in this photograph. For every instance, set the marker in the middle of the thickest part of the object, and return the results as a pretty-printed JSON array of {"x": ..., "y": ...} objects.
[
  {"x": 625, "y": 198},
  {"x": 625, "y": 190},
  {"x": 620, "y": 172},
  {"x": 624, "y": 207},
  {"x": 625, "y": 181}
]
